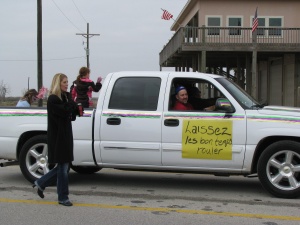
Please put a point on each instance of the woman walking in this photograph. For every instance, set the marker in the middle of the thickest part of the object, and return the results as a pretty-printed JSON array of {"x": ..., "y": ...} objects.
[{"x": 61, "y": 111}]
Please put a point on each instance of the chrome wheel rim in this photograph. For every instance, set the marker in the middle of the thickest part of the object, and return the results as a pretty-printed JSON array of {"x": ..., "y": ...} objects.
[
  {"x": 37, "y": 160},
  {"x": 283, "y": 170}
]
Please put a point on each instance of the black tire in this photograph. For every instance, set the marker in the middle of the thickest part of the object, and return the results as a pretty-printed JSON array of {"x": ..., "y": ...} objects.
[
  {"x": 85, "y": 169},
  {"x": 277, "y": 169},
  {"x": 34, "y": 158}
]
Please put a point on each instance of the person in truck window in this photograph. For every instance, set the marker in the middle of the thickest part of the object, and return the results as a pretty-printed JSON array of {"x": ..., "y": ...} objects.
[
  {"x": 199, "y": 103},
  {"x": 182, "y": 99},
  {"x": 28, "y": 98},
  {"x": 83, "y": 87},
  {"x": 61, "y": 111}
]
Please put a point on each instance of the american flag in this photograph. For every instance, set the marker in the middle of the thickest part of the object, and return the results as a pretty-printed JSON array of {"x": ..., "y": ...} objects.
[
  {"x": 255, "y": 21},
  {"x": 166, "y": 15}
]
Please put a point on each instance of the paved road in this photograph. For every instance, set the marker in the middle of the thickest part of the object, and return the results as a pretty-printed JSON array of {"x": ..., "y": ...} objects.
[{"x": 123, "y": 197}]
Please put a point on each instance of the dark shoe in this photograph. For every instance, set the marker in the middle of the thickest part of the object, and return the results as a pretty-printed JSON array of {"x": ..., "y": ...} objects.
[
  {"x": 66, "y": 203},
  {"x": 39, "y": 191}
]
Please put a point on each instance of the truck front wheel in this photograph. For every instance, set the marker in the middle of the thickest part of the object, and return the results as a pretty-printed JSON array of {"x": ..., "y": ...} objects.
[
  {"x": 34, "y": 158},
  {"x": 279, "y": 169}
]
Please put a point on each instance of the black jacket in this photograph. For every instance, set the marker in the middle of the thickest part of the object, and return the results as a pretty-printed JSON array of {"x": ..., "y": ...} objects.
[
  {"x": 82, "y": 91},
  {"x": 60, "y": 134}
]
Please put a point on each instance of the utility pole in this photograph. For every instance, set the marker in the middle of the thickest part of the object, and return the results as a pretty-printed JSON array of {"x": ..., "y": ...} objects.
[
  {"x": 39, "y": 49},
  {"x": 87, "y": 49}
]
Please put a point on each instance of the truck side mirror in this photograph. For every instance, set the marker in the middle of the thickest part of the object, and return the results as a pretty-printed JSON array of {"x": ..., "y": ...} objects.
[{"x": 224, "y": 105}]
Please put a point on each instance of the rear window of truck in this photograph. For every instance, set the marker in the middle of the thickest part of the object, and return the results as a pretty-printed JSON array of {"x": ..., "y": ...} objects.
[{"x": 135, "y": 93}]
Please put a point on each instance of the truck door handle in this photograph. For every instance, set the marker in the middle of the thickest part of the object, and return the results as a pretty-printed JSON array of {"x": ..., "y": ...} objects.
[
  {"x": 171, "y": 122},
  {"x": 113, "y": 121}
]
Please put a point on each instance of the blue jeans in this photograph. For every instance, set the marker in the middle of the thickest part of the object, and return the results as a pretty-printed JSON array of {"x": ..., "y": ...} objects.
[{"x": 59, "y": 174}]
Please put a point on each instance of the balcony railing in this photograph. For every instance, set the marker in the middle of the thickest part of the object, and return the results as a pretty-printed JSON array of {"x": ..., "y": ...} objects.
[{"x": 231, "y": 39}]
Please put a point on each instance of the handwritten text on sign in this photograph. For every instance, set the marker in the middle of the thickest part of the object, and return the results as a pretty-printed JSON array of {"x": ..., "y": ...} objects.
[{"x": 207, "y": 139}]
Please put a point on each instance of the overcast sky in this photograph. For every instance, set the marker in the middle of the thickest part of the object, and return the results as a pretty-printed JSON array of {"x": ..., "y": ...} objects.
[{"x": 132, "y": 34}]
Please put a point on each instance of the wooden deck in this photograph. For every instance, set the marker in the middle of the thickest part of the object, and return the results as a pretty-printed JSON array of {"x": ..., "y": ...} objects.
[{"x": 190, "y": 40}]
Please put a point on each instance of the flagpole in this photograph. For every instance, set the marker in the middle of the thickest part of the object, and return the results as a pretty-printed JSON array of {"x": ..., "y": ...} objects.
[
  {"x": 254, "y": 61},
  {"x": 176, "y": 22}
]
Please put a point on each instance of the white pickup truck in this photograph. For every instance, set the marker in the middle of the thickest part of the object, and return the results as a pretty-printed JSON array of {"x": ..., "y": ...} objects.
[{"x": 134, "y": 127}]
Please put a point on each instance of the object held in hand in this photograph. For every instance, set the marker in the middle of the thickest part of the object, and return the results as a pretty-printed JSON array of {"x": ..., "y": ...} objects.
[
  {"x": 42, "y": 92},
  {"x": 80, "y": 109},
  {"x": 99, "y": 79}
]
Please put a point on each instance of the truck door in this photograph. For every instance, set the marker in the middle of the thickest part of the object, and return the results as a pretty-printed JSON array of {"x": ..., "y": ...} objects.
[
  {"x": 131, "y": 119},
  {"x": 202, "y": 138}
]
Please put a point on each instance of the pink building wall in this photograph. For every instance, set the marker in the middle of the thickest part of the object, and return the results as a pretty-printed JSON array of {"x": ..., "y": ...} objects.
[{"x": 287, "y": 9}]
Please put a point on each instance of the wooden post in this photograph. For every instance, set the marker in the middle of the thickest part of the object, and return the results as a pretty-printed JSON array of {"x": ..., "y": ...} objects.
[
  {"x": 248, "y": 74},
  {"x": 203, "y": 53},
  {"x": 254, "y": 66}
]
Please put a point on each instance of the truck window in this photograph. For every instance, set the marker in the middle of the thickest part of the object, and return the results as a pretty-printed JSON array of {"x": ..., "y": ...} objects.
[
  {"x": 202, "y": 94},
  {"x": 135, "y": 93},
  {"x": 245, "y": 100}
]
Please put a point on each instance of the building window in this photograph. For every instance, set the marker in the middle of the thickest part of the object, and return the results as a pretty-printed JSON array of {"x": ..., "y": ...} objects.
[
  {"x": 124, "y": 94},
  {"x": 213, "y": 24},
  {"x": 236, "y": 23},
  {"x": 261, "y": 26},
  {"x": 275, "y": 25},
  {"x": 269, "y": 26}
]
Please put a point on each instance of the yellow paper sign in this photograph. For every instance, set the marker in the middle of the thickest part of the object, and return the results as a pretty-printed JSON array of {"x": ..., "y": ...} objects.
[{"x": 207, "y": 139}]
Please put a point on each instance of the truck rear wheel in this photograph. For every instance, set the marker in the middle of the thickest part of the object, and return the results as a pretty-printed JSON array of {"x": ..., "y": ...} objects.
[
  {"x": 34, "y": 158},
  {"x": 85, "y": 169},
  {"x": 279, "y": 169}
]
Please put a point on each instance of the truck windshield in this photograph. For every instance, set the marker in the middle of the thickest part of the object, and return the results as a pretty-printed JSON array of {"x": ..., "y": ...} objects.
[{"x": 245, "y": 100}]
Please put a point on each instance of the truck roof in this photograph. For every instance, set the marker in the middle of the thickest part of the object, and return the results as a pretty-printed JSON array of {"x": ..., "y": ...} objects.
[{"x": 163, "y": 73}]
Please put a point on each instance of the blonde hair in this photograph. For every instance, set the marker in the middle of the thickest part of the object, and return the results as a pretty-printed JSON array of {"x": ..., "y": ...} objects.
[{"x": 55, "y": 85}]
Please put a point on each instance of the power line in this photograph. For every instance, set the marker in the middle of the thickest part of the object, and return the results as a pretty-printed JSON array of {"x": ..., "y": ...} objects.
[
  {"x": 79, "y": 12},
  {"x": 66, "y": 16},
  {"x": 34, "y": 60},
  {"x": 65, "y": 58}
]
